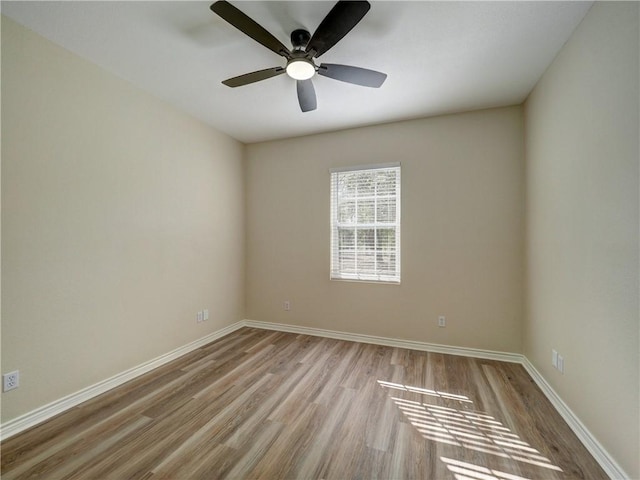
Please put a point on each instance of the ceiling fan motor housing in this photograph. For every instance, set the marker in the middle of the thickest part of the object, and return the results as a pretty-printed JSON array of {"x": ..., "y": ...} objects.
[{"x": 300, "y": 38}]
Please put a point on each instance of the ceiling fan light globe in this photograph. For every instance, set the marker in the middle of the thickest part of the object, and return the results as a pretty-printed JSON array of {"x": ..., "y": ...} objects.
[{"x": 300, "y": 69}]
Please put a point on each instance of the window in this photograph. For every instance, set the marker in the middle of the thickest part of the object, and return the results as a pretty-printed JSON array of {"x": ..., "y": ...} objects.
[{"x": 365, "y": 223}]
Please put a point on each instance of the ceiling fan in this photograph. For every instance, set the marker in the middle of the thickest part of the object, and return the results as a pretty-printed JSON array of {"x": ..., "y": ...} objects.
[{"x": 300, "y": 59}]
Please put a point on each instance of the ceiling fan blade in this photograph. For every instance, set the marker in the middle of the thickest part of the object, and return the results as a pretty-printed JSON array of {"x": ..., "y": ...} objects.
[
  {"x": 252, "y": 77},
  {"x": 249, "y": 27},
  {"x": 339, "y": 21},
  {"x": 355, "y": 75},
  {"x": 306, "y": 95}
]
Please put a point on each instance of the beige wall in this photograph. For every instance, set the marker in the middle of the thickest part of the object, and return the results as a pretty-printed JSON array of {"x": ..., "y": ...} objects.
[
  {"x": 462, "y": 231},
  {"x": 121, "y": 218},
  {"x": 582, "y": 153}
]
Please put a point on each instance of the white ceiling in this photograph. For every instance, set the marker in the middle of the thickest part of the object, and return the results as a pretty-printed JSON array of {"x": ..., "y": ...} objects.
[{"x": 440, "y": 57}]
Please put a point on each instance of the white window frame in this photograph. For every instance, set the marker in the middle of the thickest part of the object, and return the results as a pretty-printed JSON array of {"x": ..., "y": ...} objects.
[{"x": 378, "y": 276}]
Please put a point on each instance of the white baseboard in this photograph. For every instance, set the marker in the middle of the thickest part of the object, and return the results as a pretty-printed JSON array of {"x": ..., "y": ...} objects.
[
  {"x": 388, "y": 342},
  {"x": 21, "y": 423},
  {"x": 609, "y": 465}
]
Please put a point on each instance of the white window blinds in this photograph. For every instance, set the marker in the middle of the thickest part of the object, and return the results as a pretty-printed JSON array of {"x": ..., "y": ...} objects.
[{"x": 365, "y": 223}]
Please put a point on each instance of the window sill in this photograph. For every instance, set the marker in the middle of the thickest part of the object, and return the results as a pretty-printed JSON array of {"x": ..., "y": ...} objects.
[{"x": 357, "y": 280}]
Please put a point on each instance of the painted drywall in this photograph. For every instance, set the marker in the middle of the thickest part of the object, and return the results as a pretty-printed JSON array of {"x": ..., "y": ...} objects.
[
  {"x": 462, "y": 231},
  {"x": 121, "y": 218},
  {"x": 582, "y": 227}
]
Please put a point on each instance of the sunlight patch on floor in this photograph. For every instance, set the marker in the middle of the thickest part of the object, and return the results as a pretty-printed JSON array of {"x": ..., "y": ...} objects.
[
  {"x": 465, "y": 429},
  {"x": 469, "y": 471}
]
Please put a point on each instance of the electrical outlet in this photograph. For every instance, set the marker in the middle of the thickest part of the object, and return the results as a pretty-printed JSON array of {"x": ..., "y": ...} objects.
[
  {"x": 10, "y": 381},
  {"x": 554, "y": 358},
  {"x": 205, "y": 314},
  {"x": 442, "y": 322},
  {"x": 287, "y": 305},
  {"x": 560, "y": 363},
  {"x": 199, "y": 316}
]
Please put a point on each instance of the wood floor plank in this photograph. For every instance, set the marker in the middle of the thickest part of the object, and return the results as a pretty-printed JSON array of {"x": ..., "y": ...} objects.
[
  {"x": 263, "y": 441},
  {"x": 293, "y": 444},
  {"x": 382, "y": 421},
  {"x": 268, "y": 405},
  {"x": 256, "y": 417},
  {"x": 316, "y": 462}
]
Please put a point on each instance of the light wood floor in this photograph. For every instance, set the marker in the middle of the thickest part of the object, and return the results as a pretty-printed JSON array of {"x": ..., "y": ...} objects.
[{"x": 263, "y": 404}]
